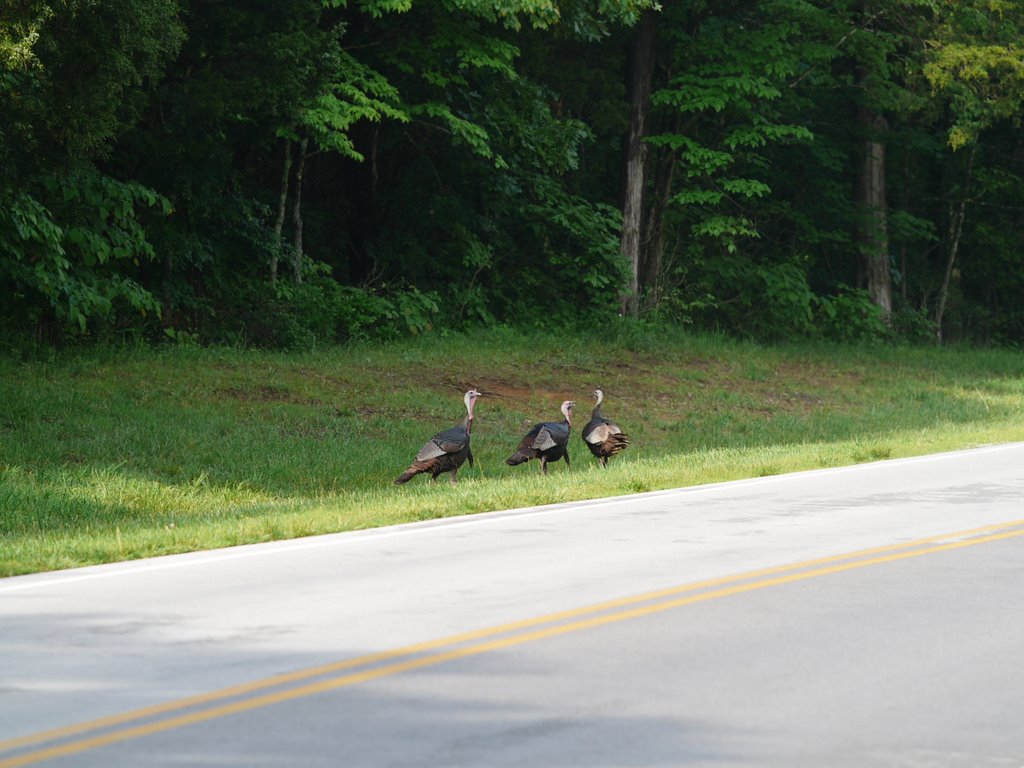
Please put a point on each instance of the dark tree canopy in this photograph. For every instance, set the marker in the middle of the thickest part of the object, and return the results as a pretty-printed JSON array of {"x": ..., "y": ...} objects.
[{"x": 279, "y": 173}]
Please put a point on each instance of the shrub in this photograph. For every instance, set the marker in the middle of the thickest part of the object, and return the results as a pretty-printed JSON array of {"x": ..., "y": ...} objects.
[{"x": 849, "y": 316}]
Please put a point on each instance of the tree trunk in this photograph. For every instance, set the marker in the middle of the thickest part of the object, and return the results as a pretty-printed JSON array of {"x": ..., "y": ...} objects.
[
  {"x": 641, "y": 69},
  {"x": 956, "y": 229},
  {"x": 653, "y": 246},
  {"x": 297, "y": 214},
  {"x": 873, "y": 237},
  {"x": 282, "y": 204},
  {"x": 904, "y": 276},
  {"x": 362, "y": 222}
]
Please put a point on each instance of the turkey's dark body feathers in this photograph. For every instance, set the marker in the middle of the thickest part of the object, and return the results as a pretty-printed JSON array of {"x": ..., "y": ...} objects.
[
  {"x": 547, "y": 441},
  {"x": 444, "y": 452}
]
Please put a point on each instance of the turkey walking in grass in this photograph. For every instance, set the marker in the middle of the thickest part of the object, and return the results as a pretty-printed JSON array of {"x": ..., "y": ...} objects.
[
  {"x": 547, "y": 441},
  {"x": 603, "y": 436},
  {"x": 446, "y": 451}
]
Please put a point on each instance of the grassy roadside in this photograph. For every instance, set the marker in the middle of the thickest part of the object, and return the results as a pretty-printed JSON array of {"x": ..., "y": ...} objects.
[{"x": 114, "y": 454}]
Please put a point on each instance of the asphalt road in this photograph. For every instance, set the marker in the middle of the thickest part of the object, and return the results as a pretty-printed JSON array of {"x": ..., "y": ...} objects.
[{"x": 865, "y": 616}]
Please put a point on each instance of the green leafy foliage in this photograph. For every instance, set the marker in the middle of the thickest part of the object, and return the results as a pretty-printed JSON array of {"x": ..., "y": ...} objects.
[
  {"x": 354, "y": 93},
  {"x": 462, "y": 166},
  {"x": 850, "y": 316},
  {"x": 315, "y": 313},
  {"x": 78, "y": 266},
  {"x": 975, "y": 60},
  {"x": 730, "y": 74},
  {"x": 75, "y": 74},
  {"x": 19, "y": 34}
]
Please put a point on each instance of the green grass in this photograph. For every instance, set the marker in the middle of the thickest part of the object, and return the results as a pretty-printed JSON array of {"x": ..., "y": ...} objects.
[{"x": 116, "y": 454}]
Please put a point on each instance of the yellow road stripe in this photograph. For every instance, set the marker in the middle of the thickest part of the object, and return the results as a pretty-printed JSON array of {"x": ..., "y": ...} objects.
[
  {"x": 970, "y": 538},
  {"x": 304, "y": 674}
]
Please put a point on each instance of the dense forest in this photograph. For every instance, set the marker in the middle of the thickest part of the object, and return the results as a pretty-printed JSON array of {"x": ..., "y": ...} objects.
[{"x": 290, "y": 172}]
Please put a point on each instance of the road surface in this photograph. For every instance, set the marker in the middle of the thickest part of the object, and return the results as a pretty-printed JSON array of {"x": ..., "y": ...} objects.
[{"x": 869, "y": 615}]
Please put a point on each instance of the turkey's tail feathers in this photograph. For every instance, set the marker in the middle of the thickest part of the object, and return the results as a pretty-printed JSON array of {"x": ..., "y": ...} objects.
[
  {"x": 612, "y": 446},
  {"x": 406, "y": 476},
  {"x": 414, "y": 469},
  {"x": 619, "y": 441},
  {"x": 517, "y": 458}
]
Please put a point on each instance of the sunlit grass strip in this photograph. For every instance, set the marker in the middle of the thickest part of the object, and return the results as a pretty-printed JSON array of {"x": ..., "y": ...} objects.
[{"x": 187, "y": 518}]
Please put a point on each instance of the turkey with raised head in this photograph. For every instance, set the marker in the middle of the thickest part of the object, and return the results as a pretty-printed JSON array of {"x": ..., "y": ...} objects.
[
  {"x": 603, "y": 436},
  {"x": 547, "y": 441},
  {"x": 446, "y": 451}
]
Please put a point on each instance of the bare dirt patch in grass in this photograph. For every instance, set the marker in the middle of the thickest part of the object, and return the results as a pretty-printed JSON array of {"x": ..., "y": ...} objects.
[
  {"x": 265, "y": 393},
  {"x": 520, "y": 396}
]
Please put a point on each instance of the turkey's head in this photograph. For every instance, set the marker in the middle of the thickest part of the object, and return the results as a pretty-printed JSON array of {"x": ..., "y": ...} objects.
[{"x": 567, "y": 407}]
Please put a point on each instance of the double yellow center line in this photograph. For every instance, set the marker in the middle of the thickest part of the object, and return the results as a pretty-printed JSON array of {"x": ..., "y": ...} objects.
[{"x": 73, "y": 739}]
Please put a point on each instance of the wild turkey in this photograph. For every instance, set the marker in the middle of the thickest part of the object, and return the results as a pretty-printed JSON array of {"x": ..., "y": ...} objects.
[
  {"x": 446, "y": 451},
  {"x": 547, "y": 441},
  {"x": 603, "y": 437}
]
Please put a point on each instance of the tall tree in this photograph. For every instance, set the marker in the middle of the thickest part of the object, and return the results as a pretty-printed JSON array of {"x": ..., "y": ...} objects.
[
  {"x": 975, "y": 61},
  {"x": 641, "y": 68},
  {"x": 873, "y": 52},
  {"x": 873, "y": 219},
  {"x": 717, "y": 112}
]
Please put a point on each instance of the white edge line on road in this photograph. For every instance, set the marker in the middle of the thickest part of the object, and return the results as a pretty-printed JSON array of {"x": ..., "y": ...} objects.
[{"x": 243, "y": 551}]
